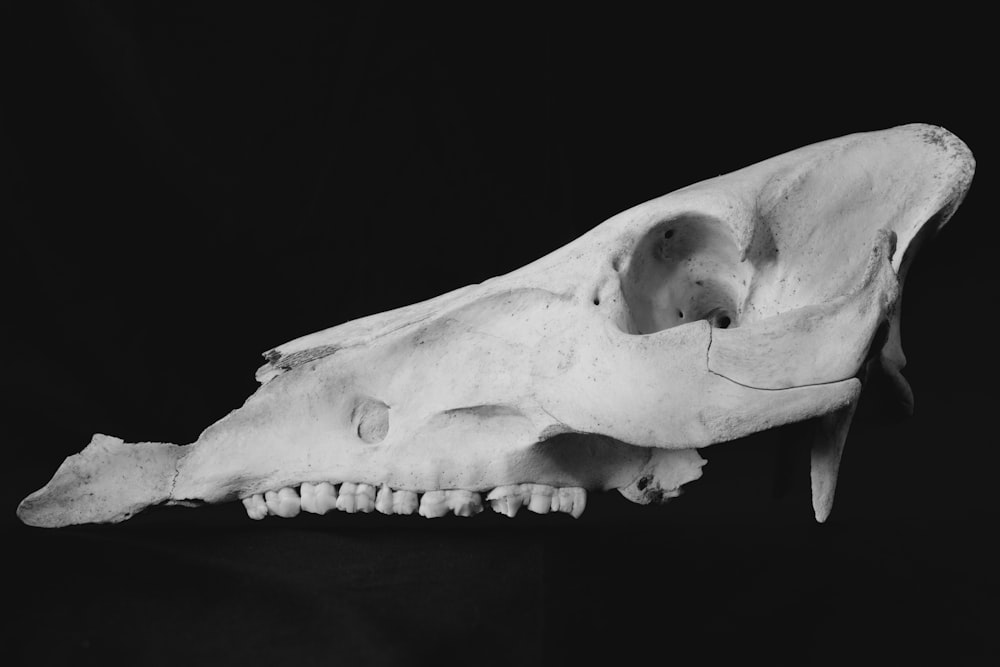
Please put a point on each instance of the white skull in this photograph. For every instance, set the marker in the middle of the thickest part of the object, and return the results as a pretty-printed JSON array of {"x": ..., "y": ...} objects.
[{"x": 735, "y": 305}]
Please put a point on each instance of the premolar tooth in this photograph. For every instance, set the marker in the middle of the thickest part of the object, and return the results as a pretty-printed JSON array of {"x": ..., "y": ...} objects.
[
  {"x": 383, "y": 501},
  {"x": 404, "y": 502},
  {"x": 572, "y": 500},
  {"x": 364, "y": 498},
  {"x": 307, "y": 497},
  {"x": 433, "y": 504},
  {"x": 464, "y": 503},
  {"x": 284, "y": 502},
  {"x": 507, "y": 500},
  {"x": 541, "y": 498},
  {"x": 324, "y": 498},
  {"x": 346, "y": 501},
  {"x": 256, "y": 507}
]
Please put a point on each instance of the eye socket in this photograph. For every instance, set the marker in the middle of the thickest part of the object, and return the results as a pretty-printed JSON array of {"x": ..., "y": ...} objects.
[{"x": 686, "y": 268}]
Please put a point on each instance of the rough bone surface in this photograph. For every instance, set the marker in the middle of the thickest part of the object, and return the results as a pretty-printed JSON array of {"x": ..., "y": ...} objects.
[{"x": 736, "y": 305}]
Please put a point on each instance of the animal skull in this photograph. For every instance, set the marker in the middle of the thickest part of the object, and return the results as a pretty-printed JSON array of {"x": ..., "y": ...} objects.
[{"x": 735, "y": 305}]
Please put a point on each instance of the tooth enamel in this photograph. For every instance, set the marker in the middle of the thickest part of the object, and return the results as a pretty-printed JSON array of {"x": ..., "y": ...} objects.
[
  {"x": 346, "y": 501},
  {"x": 284, "y": 502},
  {"x": 507, "y": 505},
  {"x": 572, "y": 500},
  {"x": 271, "y": 500},
  {"x": 827, "y": 448},
  {"x": 507, "y": 500},
  {"x": 307, "y": 497},
  {"x": 541, "y": 498},
  {"x": 464, "y": 503},
  {"x": 433, "y": 504},
  {"x": 404, "y": 502},
  {"x": 383, "y": 501},
  {"x": 364, "y": 498},
  {"x": 256, "y": 507},
  {"x": 325, "y": 497}
]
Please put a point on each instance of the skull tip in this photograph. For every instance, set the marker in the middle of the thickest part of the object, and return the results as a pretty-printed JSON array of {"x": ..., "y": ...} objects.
[
  {"x": 824, "y": 482},
  {"x": 822, "y": 511},
  {"x": 107, "y": 482}
]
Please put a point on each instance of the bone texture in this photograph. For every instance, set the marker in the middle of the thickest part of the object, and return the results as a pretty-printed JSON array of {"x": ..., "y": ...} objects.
[{"x": 729, "y": 307}]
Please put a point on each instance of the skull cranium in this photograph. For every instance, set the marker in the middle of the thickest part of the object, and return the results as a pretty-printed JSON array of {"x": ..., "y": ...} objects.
[{"x": 735, "y": 305}]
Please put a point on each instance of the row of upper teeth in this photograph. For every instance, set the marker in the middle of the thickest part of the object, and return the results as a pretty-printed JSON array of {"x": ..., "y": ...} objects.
[{"x": 349, "y": 497}]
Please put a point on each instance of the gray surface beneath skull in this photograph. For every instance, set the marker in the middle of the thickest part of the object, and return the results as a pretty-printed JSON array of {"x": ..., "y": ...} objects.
[{"x": 736, "y": 305}]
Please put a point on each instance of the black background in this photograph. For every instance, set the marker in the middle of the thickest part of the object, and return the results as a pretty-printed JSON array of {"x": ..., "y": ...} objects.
[{"x": 190, "y": 184}]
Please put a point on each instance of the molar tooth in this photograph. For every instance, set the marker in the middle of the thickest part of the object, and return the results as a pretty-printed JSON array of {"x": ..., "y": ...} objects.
[
  {"x": 383, "y": 501},
  {"x": 464, "y": 503},
  {"x": 433, "y": 504},
  {"x": 256, "y": 507},
  {"x": 346, "y": 501},
  {"x": 572, "y": 500},
  {"x": 284, "y": 502},
  {"x": 541, "y": 498},
  {"x": 364, "y": 498},
  {"x": 507, "y": 500},
  {"x": 404, "y": 502}
]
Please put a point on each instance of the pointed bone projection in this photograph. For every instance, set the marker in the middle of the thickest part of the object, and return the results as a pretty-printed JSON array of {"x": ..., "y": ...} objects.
[{"x": 732, "y": 306}]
